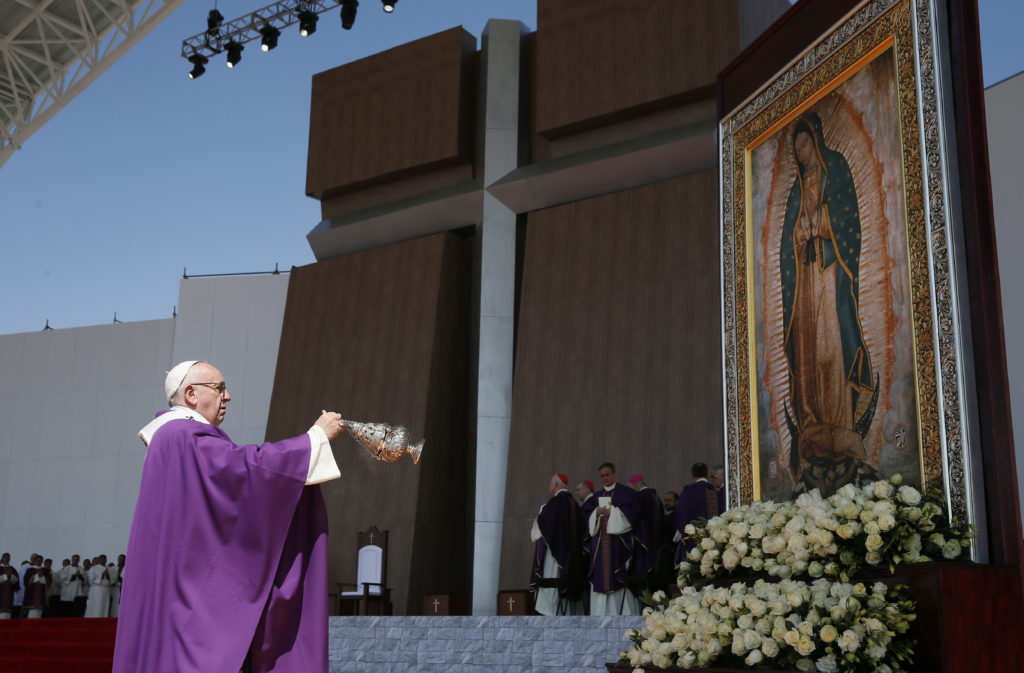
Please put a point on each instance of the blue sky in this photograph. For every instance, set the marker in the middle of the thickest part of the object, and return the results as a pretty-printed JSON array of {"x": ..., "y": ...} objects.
[{"x": 146, "y": 172}]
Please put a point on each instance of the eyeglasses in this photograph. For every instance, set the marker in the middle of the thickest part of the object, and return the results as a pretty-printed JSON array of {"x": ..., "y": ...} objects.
[{"x": 220, "y": 386}]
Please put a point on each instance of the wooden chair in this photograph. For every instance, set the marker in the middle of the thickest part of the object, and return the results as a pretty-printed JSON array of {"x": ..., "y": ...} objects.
[
  {"x": 661, "y": 577},
  {"x": 573, "y": 586},
  {"x": 370, "y": 588}
]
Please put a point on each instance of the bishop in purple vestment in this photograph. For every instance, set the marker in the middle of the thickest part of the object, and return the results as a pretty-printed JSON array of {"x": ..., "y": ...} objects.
[
  {"x": 588, "y": 503},
  {"x": 611, "y": 526},
  {"x": 717, "y": 478},
  {"x": 228, "y": 543},
  {"x": 8, "y": 585},
  {"x": 649, "y": 531},
  {"x": 36, "y": 580},
  {"x": 698, "y": 500},
  {"x": 557, "y": 532}
]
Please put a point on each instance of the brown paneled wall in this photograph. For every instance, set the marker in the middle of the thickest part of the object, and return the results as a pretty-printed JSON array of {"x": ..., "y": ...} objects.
[
  {"x": 383, "y": 335},
  {"x": 601, "y": 60},
  {"x": 401, "y": 113},
  {"x": 618, "y": 352}
]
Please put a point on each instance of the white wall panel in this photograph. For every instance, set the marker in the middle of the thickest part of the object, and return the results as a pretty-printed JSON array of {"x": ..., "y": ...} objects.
[
  {"x": 230, "y": 310},
  {"x": 239, "y": 321},
  {"x": 97, "y": 480},
  {"x": 69, "y": 540},
  {"x": 193, "y": 325},
  {"x": 15, "y": 543},
  {"x": 74, "y": 401},
  {"x": 42, "y": 537},
  {"x": 75, "y": 433},
  {"x": 12, "y": 358},
  {"x": 57, "y": 366},
  {"x": 129, "y": 475},
  {"x": 72, "y": 493},
  {"x": 61, "y": 471}
]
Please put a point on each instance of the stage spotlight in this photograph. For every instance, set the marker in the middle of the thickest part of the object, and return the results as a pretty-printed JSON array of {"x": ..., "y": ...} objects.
[
  {"x": 198, "y": 62},
  {"x": 307, "y": 22},
  {"x": 348, "y": 13},
  {"x": 270, "y": 35},
  {"x": 389, "y": 5},
  {"x": 234, "y": 53},
  {"x": 213, "y": 22}
]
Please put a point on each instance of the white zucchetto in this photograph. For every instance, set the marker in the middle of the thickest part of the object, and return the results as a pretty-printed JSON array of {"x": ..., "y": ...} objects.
[{"x": 175, "y": 377}]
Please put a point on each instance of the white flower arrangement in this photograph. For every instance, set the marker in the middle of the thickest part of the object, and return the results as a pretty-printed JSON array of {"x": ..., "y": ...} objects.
[
  {"x": 884, "y": 522},
  {"x": 824, "y": 626}
]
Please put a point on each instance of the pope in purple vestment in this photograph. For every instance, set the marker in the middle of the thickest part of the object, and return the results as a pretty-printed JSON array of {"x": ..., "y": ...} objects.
[
  {"x": 228, "y": 544},
  {"x": 698, "y": 500}
]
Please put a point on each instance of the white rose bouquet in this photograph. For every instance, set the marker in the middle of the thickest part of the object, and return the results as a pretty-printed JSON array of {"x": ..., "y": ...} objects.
[
  {"x": 881, "y": 523},
  {"x": 825, "y": 626}
]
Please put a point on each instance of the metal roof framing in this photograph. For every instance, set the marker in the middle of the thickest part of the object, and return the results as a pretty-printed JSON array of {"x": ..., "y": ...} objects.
[
  {"x": 247, "y": 28},
  {"x": 51, "y": 50}
]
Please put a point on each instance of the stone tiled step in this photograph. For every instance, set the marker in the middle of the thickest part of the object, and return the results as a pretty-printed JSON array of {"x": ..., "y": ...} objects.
[{"x": 477, "y": 644}]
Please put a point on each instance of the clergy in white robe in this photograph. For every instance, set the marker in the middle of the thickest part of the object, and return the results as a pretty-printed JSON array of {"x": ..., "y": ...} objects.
[
  {"x": 98, "y": 604},
  {"x": 83, "y": 590},
  {"x": 53, "y": 588},
  {"x": 70, "y": 586},
  {"x": 115, "y": 589},
  {"x": 19, "y": 595}
]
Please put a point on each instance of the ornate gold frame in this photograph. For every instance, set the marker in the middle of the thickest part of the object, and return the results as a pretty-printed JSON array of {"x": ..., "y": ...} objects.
[{"x": 875, "y": 25}]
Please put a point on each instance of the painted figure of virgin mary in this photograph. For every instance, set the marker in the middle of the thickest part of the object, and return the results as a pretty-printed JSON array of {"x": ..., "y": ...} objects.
[{"x": 826, "y": 355}]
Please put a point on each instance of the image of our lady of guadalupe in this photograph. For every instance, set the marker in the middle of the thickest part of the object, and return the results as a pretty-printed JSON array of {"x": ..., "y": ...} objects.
[{"x": 828, "y": 362}]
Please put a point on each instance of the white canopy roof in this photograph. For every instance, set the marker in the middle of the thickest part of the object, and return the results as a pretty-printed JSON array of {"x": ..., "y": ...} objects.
[{"x": 50, "y": 50}]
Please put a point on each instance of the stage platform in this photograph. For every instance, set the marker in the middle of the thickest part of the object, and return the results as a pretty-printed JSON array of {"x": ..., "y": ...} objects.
[{"x": 477, "y": 644}]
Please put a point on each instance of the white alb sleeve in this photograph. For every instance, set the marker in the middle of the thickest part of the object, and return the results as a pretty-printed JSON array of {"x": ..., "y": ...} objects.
[
  {"x": 618, "y": 523},
  {"x": 535, "y": 532},
  {"x": 322, "y": 466}
]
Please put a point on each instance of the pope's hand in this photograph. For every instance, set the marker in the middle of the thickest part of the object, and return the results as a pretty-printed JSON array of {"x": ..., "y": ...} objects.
[{"x": 330, "y": 422}]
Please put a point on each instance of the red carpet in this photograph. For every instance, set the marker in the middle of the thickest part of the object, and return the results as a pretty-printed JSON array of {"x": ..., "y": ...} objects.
[{"x": 57, "y": 645}]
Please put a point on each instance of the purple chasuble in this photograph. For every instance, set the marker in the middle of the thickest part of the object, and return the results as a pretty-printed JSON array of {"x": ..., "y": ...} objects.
[
  {"x": 698, "y": 500},
  {"x": 8, "y": 588},
  {"x": 35, "y": 592},
  {"x": 561, "y": 529},
  {"x": 228, "y": 550},
  {"x": 649, "y": 530},
  {"x": 611, "y": 554},
  {"x": 586, "y": 507}
]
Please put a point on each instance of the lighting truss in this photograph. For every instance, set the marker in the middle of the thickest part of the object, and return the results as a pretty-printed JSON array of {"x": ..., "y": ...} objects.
[
  {"x": 51, "y": 50},
  {"x": 247, "y": 28}
]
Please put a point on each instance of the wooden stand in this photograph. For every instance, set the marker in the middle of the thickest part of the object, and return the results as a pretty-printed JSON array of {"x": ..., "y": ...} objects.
[
  {"x": 969, "y": 617},
  {"x": 515, "y": 603},
  {"x": 445, "y": 605}
]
